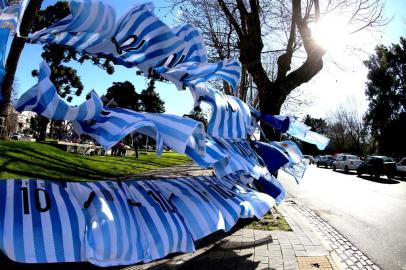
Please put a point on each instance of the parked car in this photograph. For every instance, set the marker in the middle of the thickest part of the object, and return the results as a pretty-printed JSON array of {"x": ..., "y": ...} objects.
[
  {"x": 16, "y": 136},
  {"x": 326, "y": 161},
  {"x": 376, "y": 166},
  {"x": 316, "y": 158},
  {"x": 401, "y": 168},
  {"x": 309, "y": 158},
  {"x": 346, "y": 163}
]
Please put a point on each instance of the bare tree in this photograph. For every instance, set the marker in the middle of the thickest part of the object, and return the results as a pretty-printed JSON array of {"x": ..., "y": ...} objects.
[
  {"x": 281, "y": 29},
  {"x": 347, "y": 126}
]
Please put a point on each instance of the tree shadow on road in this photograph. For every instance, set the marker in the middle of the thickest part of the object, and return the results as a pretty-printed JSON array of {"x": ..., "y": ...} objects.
[{"x": 379, "y": 180}]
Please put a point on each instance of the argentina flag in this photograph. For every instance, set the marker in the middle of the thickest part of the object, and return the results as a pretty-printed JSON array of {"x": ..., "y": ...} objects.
[
  {"x": 162, "y": 227},
  {"x": 40, "y": 222},
  {"x": 303, "y": 133},
  {"x": 43, "y": 99},
  {"x": 113, "y": 235}
]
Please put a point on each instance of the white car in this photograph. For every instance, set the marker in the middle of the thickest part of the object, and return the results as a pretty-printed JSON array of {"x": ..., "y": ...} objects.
[
  {"x": 401, "y": 168},
  {"x": 346, "y": 163}
]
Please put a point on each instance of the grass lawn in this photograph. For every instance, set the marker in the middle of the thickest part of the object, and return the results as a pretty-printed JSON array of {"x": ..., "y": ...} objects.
[
  {"x": 271, "y": 222},
  {"x": 42, "y": 161}
]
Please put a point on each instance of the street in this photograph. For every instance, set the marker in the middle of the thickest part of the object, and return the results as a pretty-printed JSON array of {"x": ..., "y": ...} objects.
[{"x": 371, "y": 214}]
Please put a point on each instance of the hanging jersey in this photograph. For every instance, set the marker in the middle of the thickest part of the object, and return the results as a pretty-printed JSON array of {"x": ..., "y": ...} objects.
[
  {"x": 227, "y": 202},
  {"x": 199, "y": 214},
  {"x": 254, "y": 204},
  {"x": 271, "y": 186},
  {"x": 113, "y": 233},
  {"x": 40, "y": 222},
  {"x": 162, "y": 227}
]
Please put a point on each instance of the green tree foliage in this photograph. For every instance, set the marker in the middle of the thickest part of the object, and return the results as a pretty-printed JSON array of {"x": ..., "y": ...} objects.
[
  {"x": 150, "y": 99},
  {"x": 386, "y": 92},
  {"x": 123, "y": 95},
  {"x": 65, "y": 78},
  {"x": 198, "y": 115}
]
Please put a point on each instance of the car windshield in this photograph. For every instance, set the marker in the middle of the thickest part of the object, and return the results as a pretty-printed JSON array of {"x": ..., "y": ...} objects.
[
  {"x": 374, "y": 160},
  {"x": 353, "y": 157},
  {"x": 387, "y": 159}
]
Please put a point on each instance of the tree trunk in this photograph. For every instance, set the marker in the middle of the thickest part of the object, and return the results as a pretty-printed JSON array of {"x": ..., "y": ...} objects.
[
  {"x": 16, "y": 48},
  {"x": 43, "y": 125}
]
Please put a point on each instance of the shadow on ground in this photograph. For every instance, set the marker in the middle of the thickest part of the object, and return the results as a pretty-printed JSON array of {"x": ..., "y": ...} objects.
[{"x": 379, "y": 180}]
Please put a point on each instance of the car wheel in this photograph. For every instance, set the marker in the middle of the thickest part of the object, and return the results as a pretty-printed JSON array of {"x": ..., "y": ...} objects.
[
  {"x": 346, "y": 169},
  {"x": 318, "y": 165},
  {"x": 389, "y": 176},
  {"x": 334, "y": 167},
  {"x": 377, "y": 176},
  {"x": 359, "y": 174}
]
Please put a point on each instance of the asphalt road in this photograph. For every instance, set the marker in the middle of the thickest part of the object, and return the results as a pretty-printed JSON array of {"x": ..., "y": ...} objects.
[{"x": 371, "y": 214}]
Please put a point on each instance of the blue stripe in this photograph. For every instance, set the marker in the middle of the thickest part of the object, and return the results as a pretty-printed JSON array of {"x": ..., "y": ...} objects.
[
  {"x": 74, "y": 224},
  {"x": 18, "y": 233},
  {"x": 3, "y": 197},
  {"x": 56, "y": 225},
  {"x": 39, "y": 247}
]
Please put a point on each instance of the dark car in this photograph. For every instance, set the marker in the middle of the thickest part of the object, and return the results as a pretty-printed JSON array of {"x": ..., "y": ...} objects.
[
  {"x": 376, "y": 166},
  {"x": 326, "y": 161}
]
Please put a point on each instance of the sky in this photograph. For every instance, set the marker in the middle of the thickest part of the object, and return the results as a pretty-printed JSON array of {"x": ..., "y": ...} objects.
[{"x": 343, "y": 75}]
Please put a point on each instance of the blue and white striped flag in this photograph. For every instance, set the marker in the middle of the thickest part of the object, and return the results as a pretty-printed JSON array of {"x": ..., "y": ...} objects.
[
  {"x": 43, "y": 99},
  {"x": 40, "y": 222},
  {"x": 90, "y": 23},
  {"x": 113, "y": 235},
  {"x": 162, "y": 226},
  {"x": 200, "y": 215}
]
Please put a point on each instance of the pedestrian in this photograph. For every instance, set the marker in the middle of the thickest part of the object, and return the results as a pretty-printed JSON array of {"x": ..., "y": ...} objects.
[{"x": 136, "y": 145}]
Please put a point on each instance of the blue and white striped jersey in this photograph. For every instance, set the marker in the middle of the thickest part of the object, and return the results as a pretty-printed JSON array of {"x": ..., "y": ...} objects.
[
  {"x": 40, "y": 222},
  {"x": 44, "y": 99},
  {"x": 226, "y": 201},
  {"x": 176, "y": 132},
  {"x": 162, "y": 228},
  {"x": 89, "y": 24},
  {"x": 254, "y": 204},
  {"x": 199, "y": 214},
  {"x": 113, "y": 235},
  {"x": 271, "y": 186}
]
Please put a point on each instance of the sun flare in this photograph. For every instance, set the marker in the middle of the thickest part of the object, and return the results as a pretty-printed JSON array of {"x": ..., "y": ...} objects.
[{"x": 332, "y": 33}]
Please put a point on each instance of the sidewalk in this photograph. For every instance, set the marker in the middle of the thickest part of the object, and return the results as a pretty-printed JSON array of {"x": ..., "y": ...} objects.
[{"x": 312, "y": 243}]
